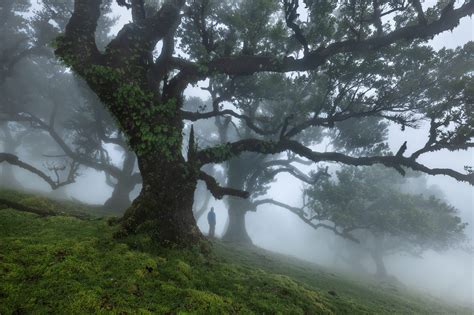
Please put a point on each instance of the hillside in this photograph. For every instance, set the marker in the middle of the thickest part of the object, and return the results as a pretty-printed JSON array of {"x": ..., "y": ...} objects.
[{"x": 61, "y": 264}]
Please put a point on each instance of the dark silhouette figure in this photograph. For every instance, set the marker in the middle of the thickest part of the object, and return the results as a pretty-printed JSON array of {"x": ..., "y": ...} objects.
[{"x": 211, "y": 218}]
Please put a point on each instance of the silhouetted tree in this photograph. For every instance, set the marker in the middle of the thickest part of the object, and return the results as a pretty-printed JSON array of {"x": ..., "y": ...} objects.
[{"x": 368, "y": 205}]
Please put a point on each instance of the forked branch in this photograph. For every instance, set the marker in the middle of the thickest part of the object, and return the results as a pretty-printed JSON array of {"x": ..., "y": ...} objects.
[
  {"x": 301, "y": 214},
  {"x": 224, "y": 152},
  {"x": 218, "y": 191},
  {"x": 54, "y": 183}
]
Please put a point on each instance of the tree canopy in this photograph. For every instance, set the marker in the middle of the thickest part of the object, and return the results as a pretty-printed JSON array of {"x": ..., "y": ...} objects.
[{"x": 375, "y": 201}]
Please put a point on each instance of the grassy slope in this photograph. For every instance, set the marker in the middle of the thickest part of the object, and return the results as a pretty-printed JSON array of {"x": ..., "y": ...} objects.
[{"x": 65, "y": 265}]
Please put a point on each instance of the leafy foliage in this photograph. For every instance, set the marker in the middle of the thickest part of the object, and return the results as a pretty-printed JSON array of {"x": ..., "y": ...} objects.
[{"x": 373, "y": 200}]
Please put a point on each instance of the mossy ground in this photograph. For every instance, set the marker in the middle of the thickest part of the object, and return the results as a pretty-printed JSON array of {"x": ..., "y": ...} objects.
[{"x": 70, "y": 266}]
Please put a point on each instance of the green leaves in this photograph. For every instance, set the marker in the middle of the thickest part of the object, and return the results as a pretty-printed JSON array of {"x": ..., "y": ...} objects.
[{"x": 376, "y": 199}]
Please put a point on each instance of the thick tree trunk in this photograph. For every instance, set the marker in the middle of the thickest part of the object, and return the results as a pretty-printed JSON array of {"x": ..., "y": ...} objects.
[
  {"x": 377, "y": 256},
  {"x": 237, "y": 207},
  {"x": 149, "y": 115},
  {"x": 381, "y": 271},
  {"x": 236, "y": 230},
  {"x": 164, "y": 207},
  {"x": 120, "y": 199}
]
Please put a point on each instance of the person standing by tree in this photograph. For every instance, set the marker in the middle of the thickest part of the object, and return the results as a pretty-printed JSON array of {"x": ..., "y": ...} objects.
[{"x": 211, "y": 219}]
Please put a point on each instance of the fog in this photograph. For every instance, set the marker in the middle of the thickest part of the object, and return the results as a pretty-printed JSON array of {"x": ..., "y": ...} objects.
[{"x": 447, "y": 274}]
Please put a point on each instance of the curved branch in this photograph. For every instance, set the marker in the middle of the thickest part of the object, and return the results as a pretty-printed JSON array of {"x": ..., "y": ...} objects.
[
  {"x": 330, "y": 121},
  {"x": 146, "y": 33},
  {"x": 217, "y": 191},
  {"x": 223, "y": 152},
  {"x": 55, "y": 184},
  {"x": 291, "y": 14},
  {"x": 193, "y": 116},
  {"x": 295, "y": 172},
  {"x": 433, "y": 144},
  {"x": 78, "y": 41},
  {"x": 247, "y": 65},
  {"x": 110, "y": 169},
  {"x": 300, "y": 213}
]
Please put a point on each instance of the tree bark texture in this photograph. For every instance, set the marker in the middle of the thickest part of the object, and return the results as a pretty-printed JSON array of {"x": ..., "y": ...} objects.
[
  {"x": 150, "y": 118},
  {"x": 236, "y": 230},
  {"x": 377, "y": 256},
  {"x": 120, "y": 199},
  {"x": 164, "y": 207},
  {"x": 237, "y": 207}
]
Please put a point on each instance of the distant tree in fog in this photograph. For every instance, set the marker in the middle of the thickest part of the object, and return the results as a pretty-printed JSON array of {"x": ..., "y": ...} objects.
[
  {"x": 48, "y": 114},
  {"x": 369, "y": 206},
  {"x": 253, "y": 172},
  {"x": 24, "y": 42}
]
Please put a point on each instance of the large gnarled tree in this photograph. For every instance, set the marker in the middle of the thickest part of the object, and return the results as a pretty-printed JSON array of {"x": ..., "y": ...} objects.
[{"x": 145, "y": 93}]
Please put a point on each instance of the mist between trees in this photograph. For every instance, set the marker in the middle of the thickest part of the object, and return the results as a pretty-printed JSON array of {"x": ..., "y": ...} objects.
[{"x": 302, "y": 92}]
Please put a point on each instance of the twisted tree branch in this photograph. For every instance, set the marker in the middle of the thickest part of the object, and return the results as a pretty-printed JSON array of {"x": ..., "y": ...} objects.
[
  {"x": 55, "y": 184},
  {"x": 218, "y": 191},
  {"x": 300, "y": 213},
  {"x": 223, "y": 152},
  {"x": 247, "y": 65}
]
